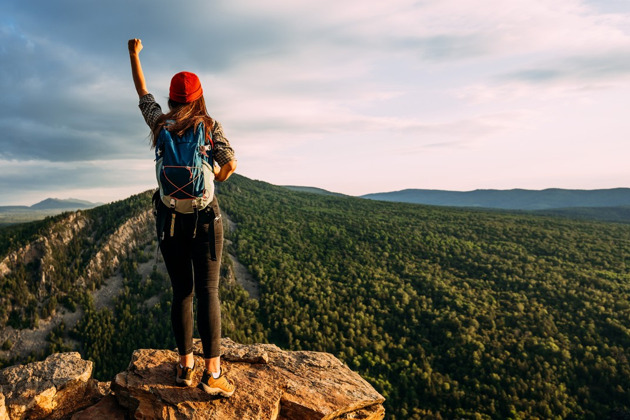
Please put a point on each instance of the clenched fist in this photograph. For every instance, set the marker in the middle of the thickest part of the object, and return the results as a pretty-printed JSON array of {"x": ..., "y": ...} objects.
[{"x": 135, "y": 46}]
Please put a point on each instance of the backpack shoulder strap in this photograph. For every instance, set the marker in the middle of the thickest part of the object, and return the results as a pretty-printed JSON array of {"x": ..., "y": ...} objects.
[
  {"x": 209, "y": 138},
  {"x": 208, "y": 135}
]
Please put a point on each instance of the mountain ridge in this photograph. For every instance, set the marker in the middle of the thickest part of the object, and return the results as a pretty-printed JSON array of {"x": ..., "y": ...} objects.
[
  {"x": 313, "y": 190},
  {"x": 53, "y": 204},
  {"x": 512, "y": 199},
  {"x": 68, "y": 203},
  {"x": 48, "y": 207}
]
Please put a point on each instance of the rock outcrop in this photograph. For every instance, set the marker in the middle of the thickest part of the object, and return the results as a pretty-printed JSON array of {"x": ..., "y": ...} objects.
[
  {"x": 128, "y": 236},
  {"x": 53, "y": 388},
  {"x": 271, "y": 384},
  {"x": 3, "y": 408},
  {"x": 40, "y": 248}
]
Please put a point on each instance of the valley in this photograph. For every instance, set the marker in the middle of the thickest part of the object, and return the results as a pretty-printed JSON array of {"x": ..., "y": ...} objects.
[{"x": 451, "y": 313}]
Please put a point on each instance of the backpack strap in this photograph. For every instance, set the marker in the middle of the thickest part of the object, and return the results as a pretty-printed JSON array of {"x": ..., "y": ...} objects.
[
  {"x": 211, "y": 240},
  {"x": 204, "y": 149},
  {"x": 209, "y": 139},
  {"x": 160, "y": 219}
]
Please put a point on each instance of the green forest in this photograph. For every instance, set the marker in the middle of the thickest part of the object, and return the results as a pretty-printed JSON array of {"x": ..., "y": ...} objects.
[{"x": 449, "y": 313}]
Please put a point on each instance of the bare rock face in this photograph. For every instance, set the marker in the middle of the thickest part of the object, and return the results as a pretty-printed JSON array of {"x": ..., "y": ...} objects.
[
  {"x": 107, "y": 408},
  {"x": 52, "y": 388},
  {"x": 41, "y": 247},
  {"x": 3, "y": 409},
  {"x": 127, "y": 237},
  {"x": 270, "y": 384}
]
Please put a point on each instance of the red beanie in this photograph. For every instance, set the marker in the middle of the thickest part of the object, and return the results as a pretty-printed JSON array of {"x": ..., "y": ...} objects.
[{"x": 185, "y": 87}]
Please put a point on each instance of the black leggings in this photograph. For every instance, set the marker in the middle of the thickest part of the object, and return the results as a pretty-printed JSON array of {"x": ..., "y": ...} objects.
[{"x": 190, "y": 265}]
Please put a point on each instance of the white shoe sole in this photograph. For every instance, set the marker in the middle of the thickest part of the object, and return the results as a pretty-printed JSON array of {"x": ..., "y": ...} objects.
[
  {"x": 180, "y": 381},
  {"x": 183, "y": 382},
  {"x": 215, "y": 391}
]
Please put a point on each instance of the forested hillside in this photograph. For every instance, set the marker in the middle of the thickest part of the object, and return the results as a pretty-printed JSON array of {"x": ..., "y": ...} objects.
[
  {"x": 59, "y": 259},
  {"x": 451, "y": 313},
  {"x": 620, "y": 214}
]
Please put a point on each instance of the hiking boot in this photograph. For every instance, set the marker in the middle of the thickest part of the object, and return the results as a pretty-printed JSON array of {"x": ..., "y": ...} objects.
[
  {"x": 183, "y": 375},
  {"x": 220, "y": 386}
]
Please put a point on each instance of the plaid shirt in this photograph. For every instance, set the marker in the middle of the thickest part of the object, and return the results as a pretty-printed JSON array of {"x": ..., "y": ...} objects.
[{"x": 222, "y": 151}]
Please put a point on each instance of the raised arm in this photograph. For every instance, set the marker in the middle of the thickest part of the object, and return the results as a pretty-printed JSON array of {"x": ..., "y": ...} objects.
[{"x": 135, "y": 45}]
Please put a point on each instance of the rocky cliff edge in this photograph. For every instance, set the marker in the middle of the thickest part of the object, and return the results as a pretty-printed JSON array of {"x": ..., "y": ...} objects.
[{"x": 271, "y": 384}]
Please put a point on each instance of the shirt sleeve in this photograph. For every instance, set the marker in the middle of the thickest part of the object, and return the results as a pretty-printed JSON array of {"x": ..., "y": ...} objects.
[
  {"x": 222, "y": 152},
  {"x": 150, "y": 109}
]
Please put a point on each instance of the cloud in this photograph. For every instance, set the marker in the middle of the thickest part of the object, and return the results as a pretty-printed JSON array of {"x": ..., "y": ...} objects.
[
  {"x": 27, "y": 180},
  {"x": 595, "y": 67},
  {"x": 285, "y": 77},
  {"x": 609, "y": 6},
  {"x": 567, "y": 77},
  {"x": 56, "y": 106}
]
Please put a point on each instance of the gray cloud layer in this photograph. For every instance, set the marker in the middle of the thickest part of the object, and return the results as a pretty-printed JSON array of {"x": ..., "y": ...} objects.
[
  {"x": 278, "y": 69},
  {"x": 595, "y": 67},
  {"x": 65, "y": 67}
]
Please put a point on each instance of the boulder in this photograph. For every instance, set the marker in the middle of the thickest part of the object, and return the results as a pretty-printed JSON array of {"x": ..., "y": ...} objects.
[
  {"x": 52, "y": 388},
  {"x": 270, "y": 384}
]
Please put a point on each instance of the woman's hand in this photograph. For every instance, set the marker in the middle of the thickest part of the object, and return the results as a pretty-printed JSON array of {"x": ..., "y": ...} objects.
[{"x": 135, "y": 46}]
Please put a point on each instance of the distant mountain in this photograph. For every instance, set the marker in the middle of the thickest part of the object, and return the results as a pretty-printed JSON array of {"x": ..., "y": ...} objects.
[
  {"x": 56, "y": 203},
  {"x": 313, "y": 190},
  {"x": 49, "y": 207},
  {"x": 516, "y": 199}
]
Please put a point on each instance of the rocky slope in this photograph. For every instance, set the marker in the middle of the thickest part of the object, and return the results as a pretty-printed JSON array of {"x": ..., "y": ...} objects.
[
  {"x": 73, "y": 254},
  {"x": 130, "y": 234},
  {"x": 271, "y": 384},
  {"x": 41, "y": 248}
]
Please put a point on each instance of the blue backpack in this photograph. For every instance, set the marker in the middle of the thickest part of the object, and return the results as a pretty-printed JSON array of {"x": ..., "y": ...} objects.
[{"x": 184, "y": 169}]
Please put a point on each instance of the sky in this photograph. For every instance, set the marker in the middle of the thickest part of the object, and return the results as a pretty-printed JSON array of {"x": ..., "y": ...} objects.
[{"x": 350, "y": 96}]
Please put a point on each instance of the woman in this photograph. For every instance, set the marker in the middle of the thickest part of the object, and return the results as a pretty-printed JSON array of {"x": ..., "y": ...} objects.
[{"x": 191, "y": 256}]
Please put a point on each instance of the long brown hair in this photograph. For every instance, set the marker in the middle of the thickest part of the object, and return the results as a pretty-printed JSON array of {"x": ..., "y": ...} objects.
[{"x": 185, "y": 116}]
